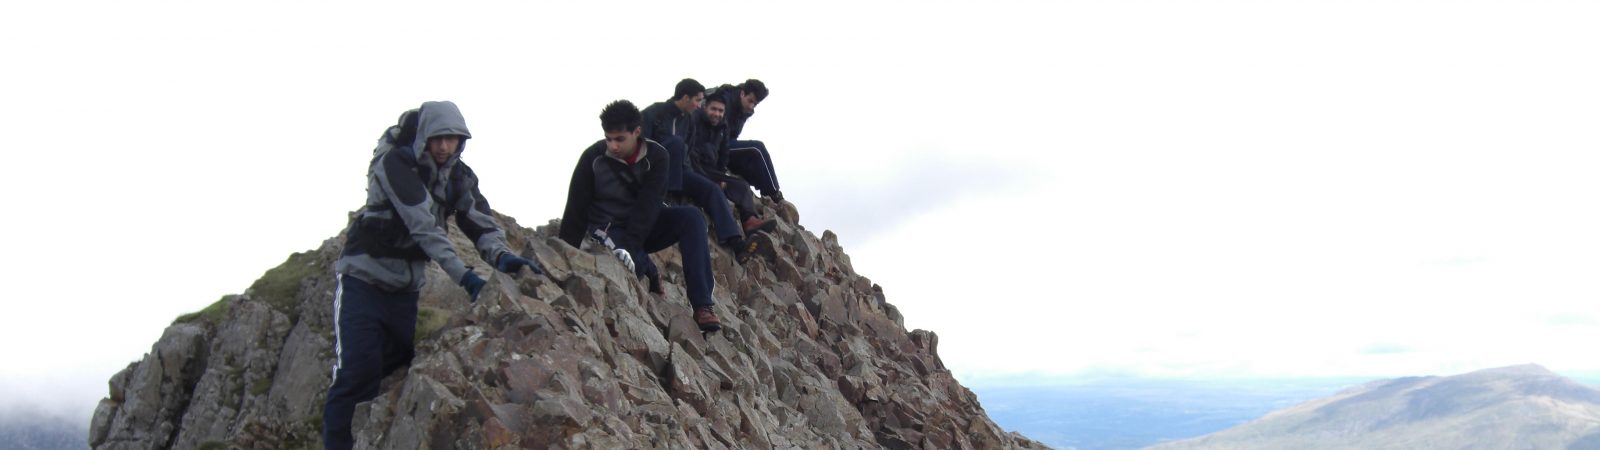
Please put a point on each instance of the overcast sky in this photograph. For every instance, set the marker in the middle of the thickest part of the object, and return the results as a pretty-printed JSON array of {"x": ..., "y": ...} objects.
[{"x": 1169, "y": 189}]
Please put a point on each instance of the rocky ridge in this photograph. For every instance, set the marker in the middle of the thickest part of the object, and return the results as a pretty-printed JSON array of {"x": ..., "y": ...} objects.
[{"x": 811, "y": 356}]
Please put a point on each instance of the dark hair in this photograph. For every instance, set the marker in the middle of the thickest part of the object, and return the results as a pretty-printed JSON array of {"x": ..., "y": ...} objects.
[
  {"x": 620, "y": 115},
  {"x": 754, "y": 86},
  {"x": 687, "y": 86},
  {"x": 719, "y": 98}
]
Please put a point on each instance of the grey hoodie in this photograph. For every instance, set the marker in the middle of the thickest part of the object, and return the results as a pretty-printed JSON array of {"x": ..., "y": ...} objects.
[{"x": 402, "y": 225}]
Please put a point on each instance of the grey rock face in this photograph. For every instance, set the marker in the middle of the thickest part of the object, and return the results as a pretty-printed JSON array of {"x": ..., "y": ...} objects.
[
  {"x": 811, "y": 355},
  {"x": 154, "y": 393}
]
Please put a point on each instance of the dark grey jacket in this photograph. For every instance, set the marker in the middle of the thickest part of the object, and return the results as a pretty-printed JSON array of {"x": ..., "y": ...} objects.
[
  {"x": 664, "y": 119},
  {"x": 409, "y": 197},
  {"x": 607, "y": 192},
  {"x": 736, "y": 115},
  {"x": 708, "y": 148}
]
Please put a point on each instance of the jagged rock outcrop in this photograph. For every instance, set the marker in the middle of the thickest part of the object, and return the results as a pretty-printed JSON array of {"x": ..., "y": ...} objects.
[
  {"x": 1522, "y": 407},
  {"x": 810, "y": 356}
]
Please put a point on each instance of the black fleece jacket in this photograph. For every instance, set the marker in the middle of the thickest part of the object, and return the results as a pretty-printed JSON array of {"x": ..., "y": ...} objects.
[{"x": 607, "y": 192}]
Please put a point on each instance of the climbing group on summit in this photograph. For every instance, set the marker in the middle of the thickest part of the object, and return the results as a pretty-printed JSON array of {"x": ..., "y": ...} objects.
[{"x": 687, "y": 147}]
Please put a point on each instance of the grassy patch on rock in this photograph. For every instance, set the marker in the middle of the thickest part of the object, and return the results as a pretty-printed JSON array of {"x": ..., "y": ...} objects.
[
  {"x": 280, "y": 287},
  {"x": 429, "y": 321},
  {"x": 210, "y": 314}
]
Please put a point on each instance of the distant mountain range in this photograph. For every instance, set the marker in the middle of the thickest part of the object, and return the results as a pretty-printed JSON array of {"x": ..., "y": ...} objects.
[
  {"x": 1518, "y": 407},
  {"x": 1128, "y": 414},
  {"x": 37, "y": 431}
]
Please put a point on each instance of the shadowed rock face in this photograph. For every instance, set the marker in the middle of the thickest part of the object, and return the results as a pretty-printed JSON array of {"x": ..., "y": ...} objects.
[
  {"x": 810, "y": 356},
  {"x": 1510, "y": 407}
]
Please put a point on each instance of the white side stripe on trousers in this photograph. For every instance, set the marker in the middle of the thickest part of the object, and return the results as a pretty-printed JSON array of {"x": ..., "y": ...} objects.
[
  {"x": 770, "y": 174},
  {"x": 338, "y": 340}
]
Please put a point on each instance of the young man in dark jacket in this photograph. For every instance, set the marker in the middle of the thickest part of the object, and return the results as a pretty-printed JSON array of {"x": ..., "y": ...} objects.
[
  {"x": 709, "y": 158},
  {"x": 415, "y": 181},
  {"x": 668, "y": 124},
  {"x": 749, "y": 159},
  {"x": 615, "y": 199}
]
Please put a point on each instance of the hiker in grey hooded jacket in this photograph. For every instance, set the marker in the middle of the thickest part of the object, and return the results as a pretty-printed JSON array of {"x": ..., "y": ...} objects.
[
  {"x": 416, "y": 181},
  {"x": 410, "y": 193}
]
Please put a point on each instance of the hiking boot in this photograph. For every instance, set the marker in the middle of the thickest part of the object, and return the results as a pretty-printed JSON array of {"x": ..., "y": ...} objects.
[
  {"x": 706, "y": 319},
  {"x": 755, "y": 224},
  {"x": 776, "y": 196},
  {"x": 739, "y": 247},
  {"x": 743, "y": 249}
]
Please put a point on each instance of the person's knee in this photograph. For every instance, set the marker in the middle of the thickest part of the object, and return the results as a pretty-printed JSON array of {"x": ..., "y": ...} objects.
[
  {"x": 691, "y": 219},
  {"x": 349, "y": 379},
  {"x": 688, "y": 219},
  {"x": 698, "y": 186}
]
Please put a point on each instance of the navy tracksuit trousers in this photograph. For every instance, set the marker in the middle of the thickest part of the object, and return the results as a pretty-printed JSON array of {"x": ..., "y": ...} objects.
[
  {"x": 739, "y": 192},
  {"x": 700, "y": 190},
  {"x": 750, "y": 160},
  {"x": 705, "y": 194},
  {"x": 683, "y": 225},
  {"x": 373, "y": 336}
]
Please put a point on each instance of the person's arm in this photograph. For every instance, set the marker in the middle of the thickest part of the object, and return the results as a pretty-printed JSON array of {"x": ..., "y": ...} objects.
[
  {"x": 414, "y": 206},
  {"x": 580, "y": 193},
  {"x": 734, "y": 127},
  {"x": 657, "y": 126},
  {"x": 722, "y": 156},
  {"x": 474, "y": 218}
]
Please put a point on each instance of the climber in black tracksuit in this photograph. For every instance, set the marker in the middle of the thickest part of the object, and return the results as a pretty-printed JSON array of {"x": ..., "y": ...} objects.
[
  {"x": 748, "y": 158},
  {"x": 667, "y": 123},
  {"x": 709, "y": 157},
  {"x": 615, "y": 199}
]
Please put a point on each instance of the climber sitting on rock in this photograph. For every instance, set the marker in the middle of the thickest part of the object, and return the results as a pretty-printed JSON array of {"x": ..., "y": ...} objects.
[
  {"x": 669, "y": 123},
  {"x": 709, "y": 158},
  {"x": 615, "y": 199},
  {"x": 749, "y": 159},
  {"x": 415, "y": 181}
]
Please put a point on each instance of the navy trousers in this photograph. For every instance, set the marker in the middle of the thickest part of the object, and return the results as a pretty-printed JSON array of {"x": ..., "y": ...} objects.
[
  {"x": 739, "y": 192},
  {"x": 750, "y": 160},
  {"x": 705, "y": 194},
  {"x": 373, "y": 335},
  {"x": 682, "y": 225}
]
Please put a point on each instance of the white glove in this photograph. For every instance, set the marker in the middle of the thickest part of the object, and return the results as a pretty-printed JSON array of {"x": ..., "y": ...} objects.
[
  {"x": 627, "y": 260},
  {"x": 599, "y": 235}
]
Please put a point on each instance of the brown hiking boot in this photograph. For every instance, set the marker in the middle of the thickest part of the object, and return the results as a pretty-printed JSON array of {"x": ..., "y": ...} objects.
[
  {"x": 706, "y": 319},
  {"x": 756, "y": 224}
]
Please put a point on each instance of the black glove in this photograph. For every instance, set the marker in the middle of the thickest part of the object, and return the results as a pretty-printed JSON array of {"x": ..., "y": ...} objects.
[
  {"x": 509, "y": 263},
  {"x": 648, "y": 270},
  {"x": 473, "y": 284}
]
